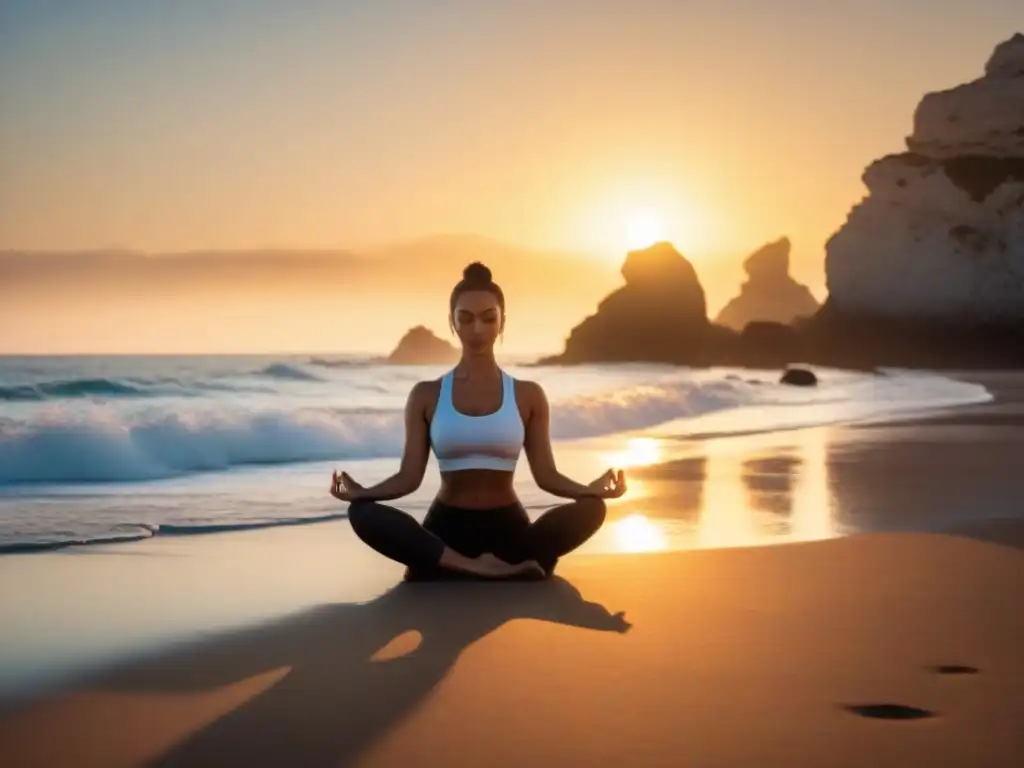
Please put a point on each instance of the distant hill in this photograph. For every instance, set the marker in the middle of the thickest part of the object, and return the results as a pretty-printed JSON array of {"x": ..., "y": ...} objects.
[{"x": 299, "y": 299}]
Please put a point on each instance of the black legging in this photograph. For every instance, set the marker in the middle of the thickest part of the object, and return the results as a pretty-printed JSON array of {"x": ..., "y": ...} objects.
[{"x": 505, "y": 532}]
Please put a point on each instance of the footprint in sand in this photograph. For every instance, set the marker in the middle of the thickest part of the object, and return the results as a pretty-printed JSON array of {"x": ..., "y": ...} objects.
[
  {"x": 889, "y": 711},
  {"x": 953, "y": 669}
]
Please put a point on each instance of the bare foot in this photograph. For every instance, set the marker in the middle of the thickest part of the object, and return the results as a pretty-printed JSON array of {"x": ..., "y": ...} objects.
[
  {"x": 494, "y": 567},
  {"x": 489, "y": 566}
]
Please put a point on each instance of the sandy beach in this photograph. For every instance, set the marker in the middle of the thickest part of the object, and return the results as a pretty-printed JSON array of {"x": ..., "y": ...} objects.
[
  {"x": 268, "y": 269},
  {"x": 898, "y": 646}
]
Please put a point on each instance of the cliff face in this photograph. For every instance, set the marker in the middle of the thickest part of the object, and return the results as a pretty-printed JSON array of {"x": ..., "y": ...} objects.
[
  {"x": 940, "y": 236},
  {"x": 769, "y": 294},
  {"x": 660, "y": 314}
]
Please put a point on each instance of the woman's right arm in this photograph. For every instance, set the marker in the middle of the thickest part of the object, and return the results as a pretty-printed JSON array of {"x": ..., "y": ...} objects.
[{"x": 415, "y": 454}]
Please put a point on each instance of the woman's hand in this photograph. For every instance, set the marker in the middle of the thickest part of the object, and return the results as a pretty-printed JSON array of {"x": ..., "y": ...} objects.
[
  {"x": 610, "y": 485},
  {"x": 344, "y": 488}
]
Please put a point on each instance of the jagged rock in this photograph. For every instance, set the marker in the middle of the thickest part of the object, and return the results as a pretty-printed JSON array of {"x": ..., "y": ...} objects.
[
  {"x": 419, "y": 346},
  {"x": 982, "y": 117},
  {"x": 659, "y": 315},
  {"x": 939, "y": 240},
  {"x": 769, "y": 294},
  {"x": 799, "y": 377}
]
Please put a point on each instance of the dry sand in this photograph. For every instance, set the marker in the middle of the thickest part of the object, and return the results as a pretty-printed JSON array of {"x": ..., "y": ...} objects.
[{"x": 747, "y": 656}]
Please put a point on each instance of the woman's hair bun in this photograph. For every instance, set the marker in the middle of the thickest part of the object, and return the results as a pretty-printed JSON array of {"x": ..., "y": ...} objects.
[{"x": 477, "y": 274}]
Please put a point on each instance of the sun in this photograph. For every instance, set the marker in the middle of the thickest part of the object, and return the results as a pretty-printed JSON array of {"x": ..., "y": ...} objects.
[{"x": 643, "y": 229}]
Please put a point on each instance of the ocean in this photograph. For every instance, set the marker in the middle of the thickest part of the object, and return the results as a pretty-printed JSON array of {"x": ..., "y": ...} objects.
[{"x": 122, "y": 448}]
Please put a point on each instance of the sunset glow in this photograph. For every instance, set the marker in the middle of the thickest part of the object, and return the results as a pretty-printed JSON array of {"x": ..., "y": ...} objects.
[
  {"x": 555, "y": 143},
  {"x": 638, "y": 452},
  {"x": 644, "y": 229}
]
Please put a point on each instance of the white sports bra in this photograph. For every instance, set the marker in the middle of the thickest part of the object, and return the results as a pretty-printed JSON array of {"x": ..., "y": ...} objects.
[{"x": 477, "y": 442}]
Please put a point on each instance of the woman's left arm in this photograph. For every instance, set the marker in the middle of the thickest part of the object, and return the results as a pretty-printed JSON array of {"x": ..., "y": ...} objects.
[{"x": 541, "y": 457}]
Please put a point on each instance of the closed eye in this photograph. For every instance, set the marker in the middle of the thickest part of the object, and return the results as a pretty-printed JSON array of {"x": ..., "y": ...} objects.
[{"x": 489, "y": 316}]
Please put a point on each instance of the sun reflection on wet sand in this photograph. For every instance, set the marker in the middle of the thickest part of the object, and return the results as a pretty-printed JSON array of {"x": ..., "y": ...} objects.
[
  {"x": 727, "y": 519},
  {"x": 639, "y": 452},
  {"x": 639, "y": 533},
  {"x": 812, "y": 516},
  {"x": 729, "y": 493}
]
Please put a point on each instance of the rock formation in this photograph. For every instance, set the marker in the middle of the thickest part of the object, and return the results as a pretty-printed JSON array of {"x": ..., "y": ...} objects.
[
  {"x": 928, "y": 269},
  {"x": 659, "y": 315},
  {"x": 940, "y": 237},
  {"x": 769, "y": 294},
  {"x": 419, "y": 346}
]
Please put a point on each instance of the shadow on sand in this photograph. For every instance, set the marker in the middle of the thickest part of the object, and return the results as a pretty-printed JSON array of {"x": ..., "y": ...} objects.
[{"x": 336, "y": 700}]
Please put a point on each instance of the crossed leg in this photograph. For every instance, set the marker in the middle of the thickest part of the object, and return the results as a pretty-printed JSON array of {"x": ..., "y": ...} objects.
[
  {"x": 456, "y": 543},
  {"x": 560, "y": 530}
]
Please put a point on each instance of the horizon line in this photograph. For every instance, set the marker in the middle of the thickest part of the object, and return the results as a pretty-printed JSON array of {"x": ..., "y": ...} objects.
[
  {"x": 384, "y": 244},
  {"x": 371, "y": 249}
]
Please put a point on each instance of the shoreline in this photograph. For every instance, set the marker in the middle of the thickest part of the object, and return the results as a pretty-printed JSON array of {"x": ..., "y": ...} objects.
[
  {"x": 299, "y": 643},
  {"x": 134, "y": 532}
]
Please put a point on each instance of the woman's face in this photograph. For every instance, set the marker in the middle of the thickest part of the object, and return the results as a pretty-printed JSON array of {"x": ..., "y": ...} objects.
[{"x": 478, "y": 320}]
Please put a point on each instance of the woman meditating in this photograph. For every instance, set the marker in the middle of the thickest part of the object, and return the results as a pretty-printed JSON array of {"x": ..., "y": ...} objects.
[{"x": 476, "y": 418}]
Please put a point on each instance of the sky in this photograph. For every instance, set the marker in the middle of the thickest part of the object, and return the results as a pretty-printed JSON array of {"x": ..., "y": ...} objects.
[{"x": 577, "y": 125}]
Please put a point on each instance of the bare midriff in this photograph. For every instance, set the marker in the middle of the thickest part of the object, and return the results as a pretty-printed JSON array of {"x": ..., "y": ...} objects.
[{"x": 477, "y": 489}]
